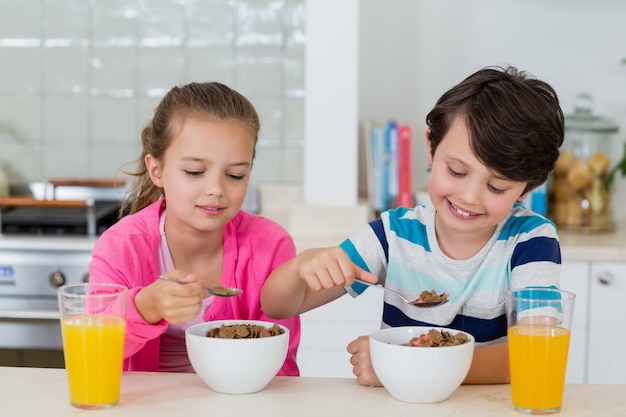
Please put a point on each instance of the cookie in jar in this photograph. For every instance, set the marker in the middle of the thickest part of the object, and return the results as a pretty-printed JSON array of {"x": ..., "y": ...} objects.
[{"x": 580, "y": 191}]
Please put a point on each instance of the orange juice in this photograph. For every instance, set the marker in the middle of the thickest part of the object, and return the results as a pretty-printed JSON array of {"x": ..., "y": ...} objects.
[
  {"x": 93, "y": 350},
  {"x": 538, "y": 358}
]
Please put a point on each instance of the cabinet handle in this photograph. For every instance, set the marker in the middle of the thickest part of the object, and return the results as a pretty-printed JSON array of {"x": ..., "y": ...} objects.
[{"x": 605, "y": 277}]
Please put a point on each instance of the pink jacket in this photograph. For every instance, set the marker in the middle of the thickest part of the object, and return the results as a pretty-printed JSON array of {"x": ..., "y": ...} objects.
[{"x": 127, "y": 254}]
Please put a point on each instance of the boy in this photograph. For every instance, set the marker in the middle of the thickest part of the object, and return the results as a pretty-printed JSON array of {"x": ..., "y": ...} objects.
[{"x": 491, "y": 140}]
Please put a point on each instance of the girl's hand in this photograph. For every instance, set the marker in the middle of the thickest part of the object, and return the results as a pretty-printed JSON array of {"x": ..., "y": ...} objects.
[
  {"x": 330, "y": 267},
  {"x": 176, "y": 302},
  {"x": 362, "y": 363}
]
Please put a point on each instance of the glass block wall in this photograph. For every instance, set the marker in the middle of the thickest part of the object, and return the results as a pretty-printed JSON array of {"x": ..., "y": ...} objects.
[{"x": 80, "y": 78}]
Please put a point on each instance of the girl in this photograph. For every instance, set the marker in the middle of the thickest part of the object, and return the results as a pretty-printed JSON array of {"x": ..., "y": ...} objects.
[{"x": 184, "y": 221}]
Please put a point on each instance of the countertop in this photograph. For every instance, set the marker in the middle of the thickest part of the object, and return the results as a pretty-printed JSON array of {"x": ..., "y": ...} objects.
[
  {"x": 609, "y": 246},
  {"x": 43, "y": 392}
]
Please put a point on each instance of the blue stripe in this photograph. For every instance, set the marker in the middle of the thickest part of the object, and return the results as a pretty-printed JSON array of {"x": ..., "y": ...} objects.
[
  {"x": 538, "y": 249},
  {"x": 354, "y": 255},
  {"x": 522, "y": 224},
  {"x": 483, "y": 330},
  {"x": 379, "y": 230},
  {"x": 408, "y": 228},
  {"x": 356, "y": 258}
]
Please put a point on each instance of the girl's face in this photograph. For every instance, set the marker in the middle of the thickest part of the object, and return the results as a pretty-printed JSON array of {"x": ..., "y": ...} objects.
[
  {"x": 468, "y": 197},
  {"x": 204, "y": 174}
]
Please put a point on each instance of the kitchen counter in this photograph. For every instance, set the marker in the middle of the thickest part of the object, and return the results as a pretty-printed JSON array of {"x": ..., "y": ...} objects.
[
  {"x": 43, "y": 392},
  {"x": 595, "y": 246}
]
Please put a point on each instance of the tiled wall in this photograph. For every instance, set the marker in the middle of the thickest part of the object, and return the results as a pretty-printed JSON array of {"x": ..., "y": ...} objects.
[{"x": 80, "y": 78}]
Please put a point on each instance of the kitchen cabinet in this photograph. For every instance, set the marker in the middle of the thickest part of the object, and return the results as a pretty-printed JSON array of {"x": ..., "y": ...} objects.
[
  {"x": 607, "y": 330},
  {"x": 596, "y": 354},
  {"x": 598, "y": 333},
  {"x": 575, "y": 278},
  {"x": 327, "y": 330}
]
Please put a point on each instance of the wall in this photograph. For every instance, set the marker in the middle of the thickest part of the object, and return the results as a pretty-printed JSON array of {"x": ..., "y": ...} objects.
[
  {"x": 331, "y": 131},
  {"x": 85, "y": 85},
  {"x": 412, "y": 52},
  {"x": 79, "y": 79}
]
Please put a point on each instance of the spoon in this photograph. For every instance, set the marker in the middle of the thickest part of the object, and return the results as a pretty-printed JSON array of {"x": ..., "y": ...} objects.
[
  {"x": 417, "y": 303},
  {"x": 218, "y": 290}
]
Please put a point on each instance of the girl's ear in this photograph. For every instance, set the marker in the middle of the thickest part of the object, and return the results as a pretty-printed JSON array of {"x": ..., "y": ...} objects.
[
  {"x": 153, "y": 166},
  {"x": 429, "y": 154}
]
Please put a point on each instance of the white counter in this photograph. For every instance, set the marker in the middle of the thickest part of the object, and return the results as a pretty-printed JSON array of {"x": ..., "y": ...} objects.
[
  {"x": 47, "y": 243},
  {"x": 43, "y": 392},
  {"x": 591, "y": 247}
]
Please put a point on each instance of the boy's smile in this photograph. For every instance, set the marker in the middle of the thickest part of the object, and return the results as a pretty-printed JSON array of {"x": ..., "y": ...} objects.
[{"x": 470, "y": 199}]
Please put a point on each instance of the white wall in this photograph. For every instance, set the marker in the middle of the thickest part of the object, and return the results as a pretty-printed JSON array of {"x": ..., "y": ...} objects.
[
  {"x": 83, "y": 77},
  {"x": 412, "y": 52},
  {"x": 331, "y": 107}
]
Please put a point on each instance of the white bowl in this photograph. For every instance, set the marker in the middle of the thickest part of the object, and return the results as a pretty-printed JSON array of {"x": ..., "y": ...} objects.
[
  {"x": 236, "y": 366},
  {"x": 419, "y": 374}
]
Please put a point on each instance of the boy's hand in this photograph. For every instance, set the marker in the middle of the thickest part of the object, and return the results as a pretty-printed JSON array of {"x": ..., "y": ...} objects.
[
  {"x": 362, "y": 363},
  {"x": 331, "y": 267}
]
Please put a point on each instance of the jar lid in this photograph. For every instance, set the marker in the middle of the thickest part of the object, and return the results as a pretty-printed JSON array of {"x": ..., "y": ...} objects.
[{"x": 584, "y": 120}]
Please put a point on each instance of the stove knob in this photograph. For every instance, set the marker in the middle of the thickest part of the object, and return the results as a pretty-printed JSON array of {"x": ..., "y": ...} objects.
[{"x": 57, "y": 278}]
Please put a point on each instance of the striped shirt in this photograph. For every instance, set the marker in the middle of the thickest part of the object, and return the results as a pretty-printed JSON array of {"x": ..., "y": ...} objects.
[{"x": 401, "y": 248}]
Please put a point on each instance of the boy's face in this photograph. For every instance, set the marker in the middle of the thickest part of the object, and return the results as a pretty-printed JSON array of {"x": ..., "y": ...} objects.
[{"x": 465, "y": 193}]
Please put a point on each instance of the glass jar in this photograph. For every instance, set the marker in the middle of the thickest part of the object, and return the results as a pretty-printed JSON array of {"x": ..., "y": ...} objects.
[{"x": 580, "y": 195}]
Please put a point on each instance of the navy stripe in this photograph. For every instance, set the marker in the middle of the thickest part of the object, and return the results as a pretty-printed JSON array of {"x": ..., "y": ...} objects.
[
  {"x": 537, "y": 249},
  {"x": 483, "y": 330},
  {"x": 379, "y": 230}
]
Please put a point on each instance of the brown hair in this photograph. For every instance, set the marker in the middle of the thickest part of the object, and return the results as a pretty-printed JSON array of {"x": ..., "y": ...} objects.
[
  {"x": 206, "y": 100},
  {"x": 515, "y": 122}
]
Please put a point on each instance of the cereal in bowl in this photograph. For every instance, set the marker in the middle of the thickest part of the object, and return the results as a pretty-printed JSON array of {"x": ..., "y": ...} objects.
[{"x": 244, "y": 331}]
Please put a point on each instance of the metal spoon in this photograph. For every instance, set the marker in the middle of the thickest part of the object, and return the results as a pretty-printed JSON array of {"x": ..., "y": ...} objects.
[
  {"x": 218, "y": 290},
  {"x": 416, "y": 303}
]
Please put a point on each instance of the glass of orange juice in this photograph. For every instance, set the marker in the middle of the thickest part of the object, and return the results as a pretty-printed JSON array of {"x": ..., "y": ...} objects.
[
  {"x": 539, "y": 324},
  {"x": 93, "y": 322}
]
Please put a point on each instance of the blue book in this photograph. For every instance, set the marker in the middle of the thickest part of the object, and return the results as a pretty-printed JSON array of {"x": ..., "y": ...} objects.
[
  {"x": 376, "y": 159},
  {"x": 391, "y": 144}
]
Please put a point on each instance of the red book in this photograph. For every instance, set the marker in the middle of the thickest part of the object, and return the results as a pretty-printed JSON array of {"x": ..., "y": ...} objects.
[{"x": 405, "y": 172}]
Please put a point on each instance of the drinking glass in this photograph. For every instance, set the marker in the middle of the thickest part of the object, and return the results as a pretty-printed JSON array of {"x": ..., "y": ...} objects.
[
  {"x": 93, "y": 322},
  {"x": 539, "y": 325}
]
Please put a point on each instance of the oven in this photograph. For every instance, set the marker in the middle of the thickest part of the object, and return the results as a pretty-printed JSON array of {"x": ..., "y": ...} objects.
[{"x": 46, "y": 238}]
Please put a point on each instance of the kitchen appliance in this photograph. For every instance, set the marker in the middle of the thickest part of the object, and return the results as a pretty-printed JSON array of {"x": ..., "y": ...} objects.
[
  {"x": 46, "y": 238},
  {"x": 47, "y": 232}
]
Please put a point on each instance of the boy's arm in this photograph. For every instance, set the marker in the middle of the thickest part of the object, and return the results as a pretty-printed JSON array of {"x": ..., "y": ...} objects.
[
  {"x": 311, "y": 279},
  {"x": 490, "y": 365}
]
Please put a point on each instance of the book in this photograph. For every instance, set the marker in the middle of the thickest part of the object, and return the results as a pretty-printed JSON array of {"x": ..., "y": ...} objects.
[
  {"x": 405, "y": 163},
  {"x": 375, "y": 155},
  {"x": 388, "y": 156},
  {"x": 391, "y": 166}
]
